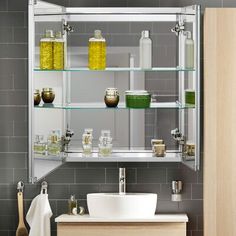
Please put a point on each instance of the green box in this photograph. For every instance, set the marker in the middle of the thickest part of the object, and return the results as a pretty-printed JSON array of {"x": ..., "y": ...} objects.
[
  {"x": 190, "y": 97},
  {"x": 137, "y": 100}
]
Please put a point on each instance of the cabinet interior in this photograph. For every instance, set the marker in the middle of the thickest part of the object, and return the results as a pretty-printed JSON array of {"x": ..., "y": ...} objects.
[{"x": 79, "y": 101}]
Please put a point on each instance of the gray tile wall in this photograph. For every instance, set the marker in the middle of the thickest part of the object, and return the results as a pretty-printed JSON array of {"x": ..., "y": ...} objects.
[{"x": 80, "y": 178}]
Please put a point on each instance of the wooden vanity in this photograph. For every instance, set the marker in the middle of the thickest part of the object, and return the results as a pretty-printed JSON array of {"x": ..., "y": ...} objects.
[{"x": 161, "y": 225}]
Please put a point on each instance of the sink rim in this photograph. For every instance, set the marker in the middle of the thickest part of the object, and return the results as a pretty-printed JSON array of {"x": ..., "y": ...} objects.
[{"x": 123, "y": 194}]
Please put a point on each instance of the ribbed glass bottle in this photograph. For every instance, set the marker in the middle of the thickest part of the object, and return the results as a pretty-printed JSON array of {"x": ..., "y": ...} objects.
[
  {"x": 97, "y": 51},
  {"x": 46, "y": 51},
  {"x": 58, "y": 52}
]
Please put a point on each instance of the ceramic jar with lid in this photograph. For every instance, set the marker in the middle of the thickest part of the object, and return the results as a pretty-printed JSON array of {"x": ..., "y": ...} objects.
[
  {"x": 48, "y": 95},
  {"x": 37, "y": 97},
  {"x": 111, "y": 98}
]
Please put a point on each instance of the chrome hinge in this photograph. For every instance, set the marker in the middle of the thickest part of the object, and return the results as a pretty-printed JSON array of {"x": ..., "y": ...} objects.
[
  {"x": 67, "y": 28},
  {"x": 179, "y": 27},
  {"x": 180, "y": 138}
]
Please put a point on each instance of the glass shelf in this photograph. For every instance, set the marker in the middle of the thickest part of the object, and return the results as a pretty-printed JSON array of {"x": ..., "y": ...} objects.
[
  {"x": 74, "y": 106},
  {"x": 125, "y": 157},
  {"x": 119, "y": 69},
  {"x": 145, "y": 156}
]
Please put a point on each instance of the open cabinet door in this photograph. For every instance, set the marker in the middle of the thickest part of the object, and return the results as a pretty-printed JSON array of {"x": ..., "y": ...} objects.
[
  {"x": 40, "y": 122},
  {"x": 219, "y": 122}
]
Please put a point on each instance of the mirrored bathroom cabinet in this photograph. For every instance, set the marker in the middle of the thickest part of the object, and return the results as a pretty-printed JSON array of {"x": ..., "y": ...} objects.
[{"x": 157, "y": 115}]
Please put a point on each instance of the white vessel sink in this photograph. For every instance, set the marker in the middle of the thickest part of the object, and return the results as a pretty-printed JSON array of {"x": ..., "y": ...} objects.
[{"x": 129, "y": 205}]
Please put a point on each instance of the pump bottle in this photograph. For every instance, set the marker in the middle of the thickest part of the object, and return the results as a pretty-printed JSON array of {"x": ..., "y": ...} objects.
[{"x": 145, "y": 46}]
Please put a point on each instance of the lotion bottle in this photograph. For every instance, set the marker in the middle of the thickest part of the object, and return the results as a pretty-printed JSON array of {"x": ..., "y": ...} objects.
[
  {"x": 145, "y": 47},
  {"x": 189, "y": 51}
]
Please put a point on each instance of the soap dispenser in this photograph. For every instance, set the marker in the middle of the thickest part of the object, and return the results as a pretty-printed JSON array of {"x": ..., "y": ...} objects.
[
  {"x": 145, "y": 50},
  {"x": 177, "y": 187},
  {"x": 72, "y": 205},
  {"x": 189, "y": 51}
]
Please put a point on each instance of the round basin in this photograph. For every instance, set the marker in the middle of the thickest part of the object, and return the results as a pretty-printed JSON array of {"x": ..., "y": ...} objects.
[{"x": 115, "y": 205}]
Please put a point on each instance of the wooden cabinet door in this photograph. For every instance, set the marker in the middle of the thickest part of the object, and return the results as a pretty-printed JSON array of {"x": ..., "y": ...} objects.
[
  {"x": 220, "y": 122},
  {"x": 124, "y": 229}
]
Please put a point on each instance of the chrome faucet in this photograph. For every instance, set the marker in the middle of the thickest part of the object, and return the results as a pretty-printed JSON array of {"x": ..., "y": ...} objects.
[{"x": 122, "y": 181}]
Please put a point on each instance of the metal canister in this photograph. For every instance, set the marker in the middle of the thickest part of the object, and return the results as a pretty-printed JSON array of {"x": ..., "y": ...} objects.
[
  {"x": 111, "y": 97},
  {"x": 37, "y": 97},
  {"x": 48, "y": 95}
]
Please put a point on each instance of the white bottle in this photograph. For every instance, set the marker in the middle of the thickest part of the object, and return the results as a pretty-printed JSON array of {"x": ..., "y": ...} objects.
[
  {"x": 189, "y": 51},
  {"x": 145, "y": 47}
]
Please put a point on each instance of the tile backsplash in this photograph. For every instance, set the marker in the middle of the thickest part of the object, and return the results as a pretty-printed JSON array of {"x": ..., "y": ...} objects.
[{"x": 78, "y": 178}]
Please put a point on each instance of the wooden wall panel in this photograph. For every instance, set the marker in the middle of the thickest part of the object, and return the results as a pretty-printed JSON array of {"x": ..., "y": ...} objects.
[{"x": 220, "y": 122}]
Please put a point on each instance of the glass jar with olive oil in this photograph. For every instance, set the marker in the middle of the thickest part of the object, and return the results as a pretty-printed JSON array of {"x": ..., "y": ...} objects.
[
  {"x": 46, "y": 51},
  {"x": 97, "y": 51},
  {"x": 58, "y": 52}
]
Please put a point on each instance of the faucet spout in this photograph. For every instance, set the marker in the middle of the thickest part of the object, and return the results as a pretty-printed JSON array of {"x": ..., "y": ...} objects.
[{"x": 122, "y": 181}]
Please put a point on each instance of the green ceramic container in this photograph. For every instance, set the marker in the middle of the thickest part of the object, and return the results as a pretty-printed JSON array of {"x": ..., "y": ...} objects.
[
  {"x": 137, "y": 99},
  {"x": 190, "y": 97}
]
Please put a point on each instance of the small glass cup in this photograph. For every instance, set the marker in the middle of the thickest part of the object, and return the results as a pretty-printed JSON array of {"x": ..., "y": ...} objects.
[
  {"x": 190, "y": 149},
  {"x": 159, "y": 150}
]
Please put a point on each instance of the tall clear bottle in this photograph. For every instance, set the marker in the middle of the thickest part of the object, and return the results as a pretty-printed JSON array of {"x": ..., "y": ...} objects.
[
  {"x": 189, "y": 51},
  {"x": 46, "y": 51},
  {"x": 97, "y": 51},
  {"x": 58, "y": 52},
  {"x": 145, "y": 47},
  {"x": 87, "y": 140}
]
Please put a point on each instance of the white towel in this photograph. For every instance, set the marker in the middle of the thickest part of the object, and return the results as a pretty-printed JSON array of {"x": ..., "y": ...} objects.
[{"x": 38, "y": 216}]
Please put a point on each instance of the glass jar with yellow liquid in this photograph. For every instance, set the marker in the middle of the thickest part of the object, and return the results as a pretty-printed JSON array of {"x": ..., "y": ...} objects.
[
  {"x": 46, "y": 51},
  {"x": 97, "y": 51},
  {"x": 58, "y": 52}
]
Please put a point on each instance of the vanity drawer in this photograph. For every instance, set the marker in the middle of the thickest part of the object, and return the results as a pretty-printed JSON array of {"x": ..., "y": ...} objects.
[{"x": 124, "y": 229}]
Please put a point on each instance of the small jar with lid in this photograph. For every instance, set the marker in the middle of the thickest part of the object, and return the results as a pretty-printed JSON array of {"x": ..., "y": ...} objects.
[
  {"x": 111, "y": 98},
  {"x": 48, "y": 95},
  {"x": 37, "y": 97},
  {"x": 105, "y": 144},
  {"x": 137, "y": 99},
  {"x": 159, "y": 150},
  {"x": 190, "y": 149}
]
